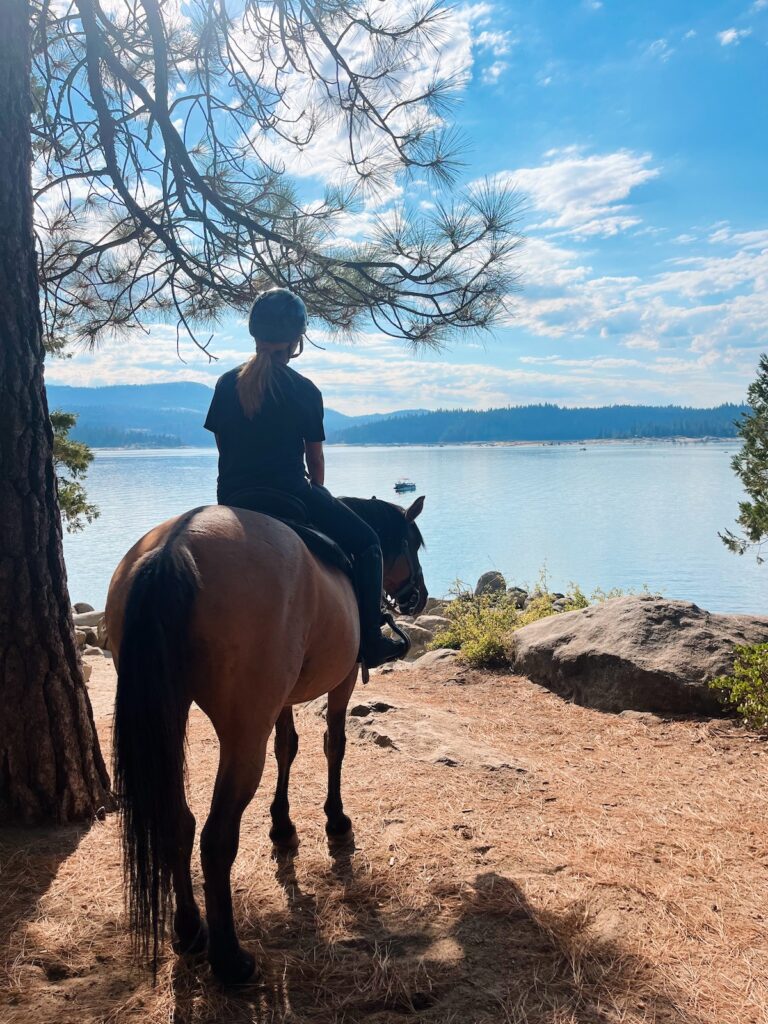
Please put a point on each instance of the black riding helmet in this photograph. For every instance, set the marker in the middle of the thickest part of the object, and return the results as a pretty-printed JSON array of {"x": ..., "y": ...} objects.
[{"x": 278, "y": 316}]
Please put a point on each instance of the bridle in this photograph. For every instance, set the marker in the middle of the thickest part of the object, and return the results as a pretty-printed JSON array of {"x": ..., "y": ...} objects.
[{"x": 406, "y": 597}]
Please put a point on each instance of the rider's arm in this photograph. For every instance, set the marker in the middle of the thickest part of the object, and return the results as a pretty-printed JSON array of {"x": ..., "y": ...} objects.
[{"x": 315, "y": 461}]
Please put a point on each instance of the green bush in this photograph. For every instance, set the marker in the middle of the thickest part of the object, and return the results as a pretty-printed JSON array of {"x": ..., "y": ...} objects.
[
  {"x": 746, "y": 691},
  {"x": 480, "y": 627}
]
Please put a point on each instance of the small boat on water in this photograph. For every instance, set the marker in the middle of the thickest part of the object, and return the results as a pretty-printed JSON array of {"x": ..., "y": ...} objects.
[{"x": 403, "y": 484}]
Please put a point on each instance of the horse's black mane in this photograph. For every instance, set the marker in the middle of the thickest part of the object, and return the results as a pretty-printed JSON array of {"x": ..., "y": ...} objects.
[{"x": 388, "y": 520}]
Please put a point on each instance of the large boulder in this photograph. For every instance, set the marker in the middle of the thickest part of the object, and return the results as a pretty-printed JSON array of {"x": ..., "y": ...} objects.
[
  {"x": 491, "y": 583},
  {"x": 90, "y": 618},
  {"x": 640, "y": 653},
  {"x": 420, "y": 637},
  {"x": 94, "y": 624},
  {"x": 434, "y": 623}
]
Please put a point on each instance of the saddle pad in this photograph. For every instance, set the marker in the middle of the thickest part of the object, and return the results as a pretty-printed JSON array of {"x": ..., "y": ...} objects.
[{"x": 321, "y": 546}]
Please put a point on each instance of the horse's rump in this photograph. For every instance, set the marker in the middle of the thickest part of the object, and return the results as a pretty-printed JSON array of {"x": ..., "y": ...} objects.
[{"x": 263, "y": 601}]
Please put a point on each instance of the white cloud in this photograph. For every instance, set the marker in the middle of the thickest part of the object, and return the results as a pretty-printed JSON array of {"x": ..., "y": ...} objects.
[
  {"x": 494, "y": 71},
  {"x": 733, "y": 36},
  {"x": 583, "y": 195},
  {"x": 659, "y": 49},
  {"x": 446, "y": 51},
  {"x": 498, "y": 43},
  {"x": 688, "y": 333},
  {"x": 700, "y": 305}
]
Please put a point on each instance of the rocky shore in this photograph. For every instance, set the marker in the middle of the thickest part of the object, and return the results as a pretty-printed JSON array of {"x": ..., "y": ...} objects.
[{"x": 638, "y": 653}]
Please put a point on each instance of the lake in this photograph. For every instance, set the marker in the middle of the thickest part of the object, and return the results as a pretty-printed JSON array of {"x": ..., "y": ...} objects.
[{"x": 622, "y": 515}]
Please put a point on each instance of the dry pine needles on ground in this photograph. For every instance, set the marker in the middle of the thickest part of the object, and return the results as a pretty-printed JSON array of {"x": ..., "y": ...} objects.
[{"x": 617, "y": 873}]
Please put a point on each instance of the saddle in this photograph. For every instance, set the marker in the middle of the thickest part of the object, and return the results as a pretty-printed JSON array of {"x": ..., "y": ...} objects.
[{"x": 292, "y": 512}]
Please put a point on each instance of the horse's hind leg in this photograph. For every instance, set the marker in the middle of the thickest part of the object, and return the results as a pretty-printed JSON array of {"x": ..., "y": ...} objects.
[
  {"x": 190, "y": 933},
  {"x": 283, "y": 831},
  {"x": 240, "y": 768},
  {"x": 338, "y": 826}
]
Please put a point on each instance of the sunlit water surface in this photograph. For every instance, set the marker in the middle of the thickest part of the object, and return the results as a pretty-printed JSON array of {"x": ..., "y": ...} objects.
[{"x": 613, "y": 515}]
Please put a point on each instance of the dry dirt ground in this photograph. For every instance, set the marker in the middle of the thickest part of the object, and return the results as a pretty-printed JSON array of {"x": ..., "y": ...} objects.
[{"x": 615, "y": 871}]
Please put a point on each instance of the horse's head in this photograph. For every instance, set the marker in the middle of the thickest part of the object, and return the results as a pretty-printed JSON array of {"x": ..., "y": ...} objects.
[{"x": 400, "y": 540}]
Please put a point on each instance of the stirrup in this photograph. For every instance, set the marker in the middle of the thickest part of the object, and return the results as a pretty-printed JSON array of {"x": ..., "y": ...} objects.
[{"x": 389, "y": 619}]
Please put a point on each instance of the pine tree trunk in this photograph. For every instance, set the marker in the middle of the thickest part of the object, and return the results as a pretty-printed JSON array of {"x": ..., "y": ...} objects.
[{"x": 51, "y": 768}]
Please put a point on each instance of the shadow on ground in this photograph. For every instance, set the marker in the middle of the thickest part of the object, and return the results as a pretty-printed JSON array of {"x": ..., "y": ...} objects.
[
  {"x": 29, "y": 862},
  {"x": 493, "y": 959}
]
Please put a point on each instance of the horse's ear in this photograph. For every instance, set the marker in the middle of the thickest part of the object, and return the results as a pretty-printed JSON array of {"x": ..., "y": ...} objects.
[{"x": 415, "y": 510}]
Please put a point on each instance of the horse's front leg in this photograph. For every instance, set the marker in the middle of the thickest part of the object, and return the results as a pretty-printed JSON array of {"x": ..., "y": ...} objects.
[
  {"x": 283, "y": 831},
  {"x": 338, "y": 827}
]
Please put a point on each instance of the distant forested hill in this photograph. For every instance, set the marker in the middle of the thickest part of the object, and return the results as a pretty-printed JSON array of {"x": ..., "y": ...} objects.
[
  {"x": 157, "y": 415},
  {"x": 172, "y": 415},
  {"x": 546, "y": 423}
]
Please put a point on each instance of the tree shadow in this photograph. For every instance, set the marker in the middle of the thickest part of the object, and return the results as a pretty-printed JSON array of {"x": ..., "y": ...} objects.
[
  {"x": 353, "y": 955},
  {"x": 29, "y": 862}
]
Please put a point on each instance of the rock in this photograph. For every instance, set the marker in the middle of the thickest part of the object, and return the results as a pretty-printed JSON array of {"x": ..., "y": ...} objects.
[
  {"x": 81, "y": 607},
  {"x": 88, "y": 618},
  {"x": 518, "y": 595},
  {"x": 441, "y": 656},
  {"x": 491, "y": 583},
  {"x": 81, "y": 638},
  {"x": 421, "y": 733},
  {"x": 645, "y": 717},
  {"x": 640, "y": 653},
  {"x": 92, "y": 652},
  {"x": 435, "y": 606},
  {"x": 434, "y": 623},
  {"x": 393, "y": 666},
  {"x": 370, "y": 707},
  {"x": 420, "y": 637},
  {"x": 102, "y": 638},
  {"x": 86, "y": 669}
]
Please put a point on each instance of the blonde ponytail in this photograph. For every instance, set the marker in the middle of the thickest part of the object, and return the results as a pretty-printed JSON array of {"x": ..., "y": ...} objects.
[{"x": 254, "y": 380}]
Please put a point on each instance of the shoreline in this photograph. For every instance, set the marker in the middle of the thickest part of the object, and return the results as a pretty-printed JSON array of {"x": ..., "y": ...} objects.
[{"x": 584, "y": 443}]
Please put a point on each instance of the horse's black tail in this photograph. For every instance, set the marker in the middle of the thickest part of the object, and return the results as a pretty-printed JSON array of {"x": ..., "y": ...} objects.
[{"x": 151, "y": 712}]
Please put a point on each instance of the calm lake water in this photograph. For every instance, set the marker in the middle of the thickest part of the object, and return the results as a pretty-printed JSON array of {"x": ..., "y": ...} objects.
[{"x": 615, "y": 515}]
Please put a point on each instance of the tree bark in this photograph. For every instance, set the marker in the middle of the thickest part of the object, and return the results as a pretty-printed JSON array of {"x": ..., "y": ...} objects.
[{"x": 51, "y": 768}]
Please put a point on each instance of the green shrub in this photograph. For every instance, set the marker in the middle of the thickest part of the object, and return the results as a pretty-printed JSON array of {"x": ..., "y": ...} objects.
[
  {"x": 480, "y": 627},
  {"x": 746, "y": 691}
]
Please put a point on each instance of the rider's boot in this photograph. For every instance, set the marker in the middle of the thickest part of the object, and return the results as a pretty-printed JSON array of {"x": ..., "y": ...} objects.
[{"x": 375, "y": 648}]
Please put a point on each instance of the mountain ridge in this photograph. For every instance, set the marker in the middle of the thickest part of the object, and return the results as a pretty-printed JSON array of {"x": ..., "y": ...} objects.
[{"x": 172, "y": 415}]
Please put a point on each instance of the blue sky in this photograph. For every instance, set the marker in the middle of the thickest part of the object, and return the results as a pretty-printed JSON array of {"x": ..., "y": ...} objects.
[{"x": 639, "y": 136}]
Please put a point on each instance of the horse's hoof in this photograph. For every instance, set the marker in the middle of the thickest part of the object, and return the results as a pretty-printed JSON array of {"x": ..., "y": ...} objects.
[
  {"x": 191, "y": 944},
  {"x": 284, "y": 842},
  {"x": 238, "y": 969},
  {"x": 340, "y": 832}
]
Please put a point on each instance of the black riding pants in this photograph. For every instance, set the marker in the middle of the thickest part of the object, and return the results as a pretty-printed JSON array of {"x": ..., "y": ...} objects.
[{"x": 332, "y": 517}]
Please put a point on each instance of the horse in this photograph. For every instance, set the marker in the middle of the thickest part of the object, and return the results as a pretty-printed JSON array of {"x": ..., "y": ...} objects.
[{"x": 228, "y": 608}]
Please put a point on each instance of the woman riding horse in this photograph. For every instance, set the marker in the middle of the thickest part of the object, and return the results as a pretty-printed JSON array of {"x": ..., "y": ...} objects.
[
  {"x": 267, "y": 419},
  {"x": 229, "y": 608}
]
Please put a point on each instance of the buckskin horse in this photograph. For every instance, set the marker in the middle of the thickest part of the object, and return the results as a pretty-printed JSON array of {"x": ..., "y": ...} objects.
[{"x": 228, "y": 608}]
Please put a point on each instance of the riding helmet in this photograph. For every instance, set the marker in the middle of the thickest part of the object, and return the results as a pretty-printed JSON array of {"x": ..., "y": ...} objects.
[{"x": 278, "y": 315}]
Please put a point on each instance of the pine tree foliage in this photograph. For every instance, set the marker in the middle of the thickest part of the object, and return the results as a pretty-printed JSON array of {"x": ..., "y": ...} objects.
[
  {"x": 71, "y": 460},
  {"x": 165, "y": 133},
  {"x": 750, "y": 464}
]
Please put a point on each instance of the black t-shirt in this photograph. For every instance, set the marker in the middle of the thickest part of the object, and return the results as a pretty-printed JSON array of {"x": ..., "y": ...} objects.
[{"x": 268, "y": 450}]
